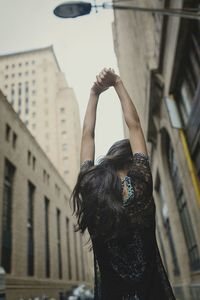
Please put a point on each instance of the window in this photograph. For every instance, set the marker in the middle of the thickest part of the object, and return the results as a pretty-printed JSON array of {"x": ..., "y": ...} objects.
[
  {"x": 167, "y": 226},
  {"x": 6, "y": 76},
  {"x": 64, "y": 147},
  {"x": 20, "y": 64},
  {"x": 19, "y": 74},
  {"x": 7, "y": 133},
  {"x": 6, "y": 86},
  {"x": 62, "y": 110},
  {"x": 76, "y": 253},
  {"x": 57, "y": 190},
  {"x": 7, "y": 67},
  {"x": 33, "y": 162},
  {"x": 29, "y": 158},
  {"x": 47, "y": 248},
  {"x": 26, "y": 63},
  {"x": 33, "y": 62},
  {"x": 14, "y": 140},
  {"x": 59, "y": 244},
  {"x": 30, "y": 228},
  {"x": 182, "y": 205},
  {"x": 68, "y": 248},
  {"x": 82, "y": 260},
  {"x": 26, "y": 73},
  {"x": 12, "y": 92},
  {"x": 6, "y": 245},
  {"x": 44, "y": 175},
  {"x": 13, "y": 75},
  {"x": 48, "y": 178},
  {"x": 190, "y": 72},
  {"x": 13, "y": 65},
  {"x": 186, "y": 85}
]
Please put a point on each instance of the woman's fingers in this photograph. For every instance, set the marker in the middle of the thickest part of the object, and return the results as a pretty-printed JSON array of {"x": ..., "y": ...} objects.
[{"x": 98, "y": 79}]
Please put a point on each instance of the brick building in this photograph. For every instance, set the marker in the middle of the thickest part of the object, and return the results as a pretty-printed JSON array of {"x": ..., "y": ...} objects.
[
  {"x": 159, "y": 61},
  {"x": 39, "y": 250}
]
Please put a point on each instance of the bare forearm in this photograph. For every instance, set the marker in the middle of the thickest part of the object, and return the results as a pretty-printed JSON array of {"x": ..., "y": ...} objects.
[
  {"x": 90, "y": 114},
  {"x": 129, "y": 110}
]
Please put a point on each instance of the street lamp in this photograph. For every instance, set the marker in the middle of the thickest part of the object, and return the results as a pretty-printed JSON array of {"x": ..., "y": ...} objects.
[{"x": 73, "y": 9}]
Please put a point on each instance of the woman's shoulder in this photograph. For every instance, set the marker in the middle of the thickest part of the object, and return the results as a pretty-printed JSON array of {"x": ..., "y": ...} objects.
[{"x": 86, "y": 164}]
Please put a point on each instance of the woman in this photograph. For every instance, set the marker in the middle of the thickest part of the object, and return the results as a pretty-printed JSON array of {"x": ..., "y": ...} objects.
[{"x": 114, "y": 201}]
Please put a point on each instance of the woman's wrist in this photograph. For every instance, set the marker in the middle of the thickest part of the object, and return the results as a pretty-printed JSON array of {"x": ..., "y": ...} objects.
[
  {"x": 94, "y": 93},
  {"x": 118, "y": 82}
]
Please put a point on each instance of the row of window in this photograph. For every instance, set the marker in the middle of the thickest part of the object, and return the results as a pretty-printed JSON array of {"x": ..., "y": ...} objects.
[
  {"x": 19, "y": 74},
  {"x": 7, "y": 233},
  {"x": 20, "y": 64},
  {"x": 11, "y": 136},
  {"x": 20, "y": 91},
  {"x": 182, "y": 207},
  {"x": 19, "y": 84}
]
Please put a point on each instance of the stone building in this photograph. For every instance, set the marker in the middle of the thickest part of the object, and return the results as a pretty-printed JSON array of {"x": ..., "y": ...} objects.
[
  {"x": 39, "y": 250},
  {"x": 159, "y": 61},
  {"x": 37, "y": 89}
]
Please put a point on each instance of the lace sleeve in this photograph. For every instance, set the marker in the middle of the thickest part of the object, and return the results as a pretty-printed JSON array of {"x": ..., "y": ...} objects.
[
  {"x": 141, "y": 204},
  {"x": 140, "y": 170}
]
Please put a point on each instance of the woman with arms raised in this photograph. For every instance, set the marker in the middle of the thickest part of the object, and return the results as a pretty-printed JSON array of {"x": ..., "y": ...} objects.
[{"x": 114, "y": 201}]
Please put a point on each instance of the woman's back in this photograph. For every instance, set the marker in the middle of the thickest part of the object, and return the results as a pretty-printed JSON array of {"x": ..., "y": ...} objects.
[{"x": 129, "y": 266}]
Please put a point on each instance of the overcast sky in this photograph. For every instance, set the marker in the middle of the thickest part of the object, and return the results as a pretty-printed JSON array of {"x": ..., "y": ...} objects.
[{"x": 83, "y": 46}]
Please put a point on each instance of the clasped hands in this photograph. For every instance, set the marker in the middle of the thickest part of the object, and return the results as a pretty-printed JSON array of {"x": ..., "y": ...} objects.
[{"x": 105, "y": 79}]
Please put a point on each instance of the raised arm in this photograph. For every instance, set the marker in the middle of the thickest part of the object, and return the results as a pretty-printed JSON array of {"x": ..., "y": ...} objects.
[
  {"x": 132, "y": 120},
  {"x": 88, "y": 132},
  {"x": 136, "y": 136}
]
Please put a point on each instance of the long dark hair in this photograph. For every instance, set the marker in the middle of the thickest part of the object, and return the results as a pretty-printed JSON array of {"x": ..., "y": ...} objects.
[{"x": 97, "y": 195}]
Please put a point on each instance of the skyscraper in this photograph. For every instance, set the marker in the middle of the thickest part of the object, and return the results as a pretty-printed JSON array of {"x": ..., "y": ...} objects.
[{"x": 37, "y": 89}]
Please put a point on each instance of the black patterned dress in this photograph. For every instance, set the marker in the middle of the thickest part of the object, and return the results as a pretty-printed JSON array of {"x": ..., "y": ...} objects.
[{"x": 130, "y": 267}]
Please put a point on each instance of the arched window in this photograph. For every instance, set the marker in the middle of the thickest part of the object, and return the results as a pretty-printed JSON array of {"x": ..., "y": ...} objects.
[{"x": 182, "y": 206}]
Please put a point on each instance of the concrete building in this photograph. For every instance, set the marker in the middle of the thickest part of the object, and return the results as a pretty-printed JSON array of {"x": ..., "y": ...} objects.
[
  {"x": 159, "y": 61},
  {"x": 39, "y": 250},
  {"x": 36, "y": 88}
]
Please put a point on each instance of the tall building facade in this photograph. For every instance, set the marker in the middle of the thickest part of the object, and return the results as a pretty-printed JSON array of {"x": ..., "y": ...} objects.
[
  {"x": 40, "y": 252},
  {"x": 159, "y": 61},
  {"x": 36, "y": 88}
]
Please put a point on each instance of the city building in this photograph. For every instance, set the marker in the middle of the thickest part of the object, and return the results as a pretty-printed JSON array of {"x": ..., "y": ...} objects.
[
  {"x": 36, "y": 88},
  {"x": 159, "y": 61},
  {"x": 39, "y": 249}
]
